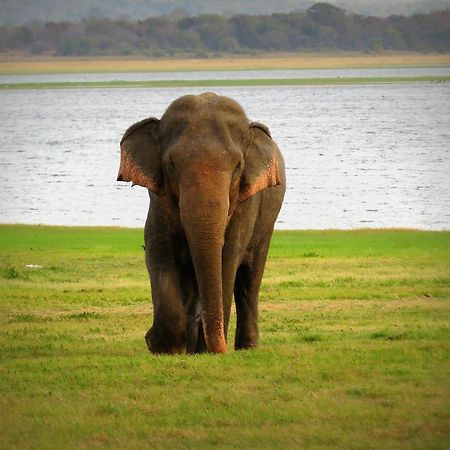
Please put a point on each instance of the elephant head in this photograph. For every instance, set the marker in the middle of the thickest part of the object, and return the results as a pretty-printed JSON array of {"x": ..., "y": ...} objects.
[{"x": 204, "y": 159}]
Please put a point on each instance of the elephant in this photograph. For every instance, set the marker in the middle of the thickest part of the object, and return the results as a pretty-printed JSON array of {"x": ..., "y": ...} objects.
[{"x": 216, "y": 183}]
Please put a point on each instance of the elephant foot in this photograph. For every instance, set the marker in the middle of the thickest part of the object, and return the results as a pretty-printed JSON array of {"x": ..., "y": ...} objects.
[
  {"x": 245, "y": 343},
  {"x": 249, "y": 346},
  {"x": 165, "y": 342},
  {"x": 247, "y": 335}
]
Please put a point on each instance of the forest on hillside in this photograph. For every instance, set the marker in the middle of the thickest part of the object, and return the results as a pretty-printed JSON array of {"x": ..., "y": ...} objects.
[
  {"x": 321, "y": 27},
  {"x": 17, "y": 12}
]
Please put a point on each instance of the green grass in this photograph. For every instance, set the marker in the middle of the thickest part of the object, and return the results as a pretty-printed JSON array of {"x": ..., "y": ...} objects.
[
  {"x": 225, "y": 83},
  {"x": 354, "y": 348}
]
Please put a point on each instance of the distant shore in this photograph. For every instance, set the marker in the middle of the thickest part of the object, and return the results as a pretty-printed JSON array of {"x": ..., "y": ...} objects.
[
  {"x": 226, "y": 83},
  {"x": 14, "y": 64}
]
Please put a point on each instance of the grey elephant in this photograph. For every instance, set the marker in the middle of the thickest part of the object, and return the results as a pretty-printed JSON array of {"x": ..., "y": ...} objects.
[{"x": 216, "y": 182}]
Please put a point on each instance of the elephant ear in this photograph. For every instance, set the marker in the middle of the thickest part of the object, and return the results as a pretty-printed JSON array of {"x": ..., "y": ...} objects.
[
  {"x": 261, "y": 164},
  {"x": 140, "y": 156}
]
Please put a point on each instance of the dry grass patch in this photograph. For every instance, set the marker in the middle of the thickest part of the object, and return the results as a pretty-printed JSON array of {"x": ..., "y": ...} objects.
[{"x": 36, "y": 65}]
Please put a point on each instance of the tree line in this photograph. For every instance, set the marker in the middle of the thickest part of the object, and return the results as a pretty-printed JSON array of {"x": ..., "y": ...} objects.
[
  {"x": 18, "y": 12},
  {"x": 322, "y": 27}
]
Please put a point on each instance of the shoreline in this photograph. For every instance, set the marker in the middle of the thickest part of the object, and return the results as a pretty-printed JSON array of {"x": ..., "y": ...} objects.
[
  {"x": 152, "y": 84},
  {"x": 104, "y": 228}
]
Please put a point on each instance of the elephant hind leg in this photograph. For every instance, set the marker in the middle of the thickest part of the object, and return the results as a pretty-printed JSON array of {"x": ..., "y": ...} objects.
[
  {"x": 246, "y": 309},
  {"x": 201, "y": 342},
  {"x": 191, "y": 299},
  {"x": 246, "y": 293},
  {"x": 195, "y": 336}
]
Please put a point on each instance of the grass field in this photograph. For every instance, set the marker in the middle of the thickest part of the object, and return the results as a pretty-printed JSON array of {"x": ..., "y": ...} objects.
[
  {"x": 221, "y": 83},
  {"x": 35, "y": 65},
  {"x": 354, "y": 348}
]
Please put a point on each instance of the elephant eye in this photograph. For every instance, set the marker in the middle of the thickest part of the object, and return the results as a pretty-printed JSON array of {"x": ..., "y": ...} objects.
[
  {"x": 171, "y": 164},
  {"x": 237, "y": 170}
]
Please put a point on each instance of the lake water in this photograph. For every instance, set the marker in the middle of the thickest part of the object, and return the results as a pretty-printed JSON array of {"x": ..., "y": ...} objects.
[{"x": 356, "y": 156}]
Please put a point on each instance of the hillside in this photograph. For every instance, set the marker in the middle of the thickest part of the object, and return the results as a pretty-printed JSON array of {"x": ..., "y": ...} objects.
[
  {"x": 322, "y": 27},
  {"x": 21, "y": 11}
]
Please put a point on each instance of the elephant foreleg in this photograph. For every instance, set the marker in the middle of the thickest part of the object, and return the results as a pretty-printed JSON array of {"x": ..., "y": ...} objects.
[{"x": 168, "y": 333}]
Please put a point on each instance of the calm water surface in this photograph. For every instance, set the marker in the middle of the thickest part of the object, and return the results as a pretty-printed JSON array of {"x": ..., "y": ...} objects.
[{"x": 356, "y": 156}]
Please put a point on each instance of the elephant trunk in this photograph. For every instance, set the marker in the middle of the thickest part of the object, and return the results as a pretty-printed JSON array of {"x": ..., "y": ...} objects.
[{"x": 204, "y": 217}]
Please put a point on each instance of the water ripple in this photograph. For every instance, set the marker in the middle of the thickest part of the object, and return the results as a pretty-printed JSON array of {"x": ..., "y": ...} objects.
[{"x": 356, "y": 156}]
